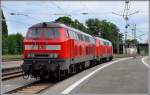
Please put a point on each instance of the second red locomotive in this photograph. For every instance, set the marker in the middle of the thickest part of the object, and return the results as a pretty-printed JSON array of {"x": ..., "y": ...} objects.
[{"x": 55, "y": 50}]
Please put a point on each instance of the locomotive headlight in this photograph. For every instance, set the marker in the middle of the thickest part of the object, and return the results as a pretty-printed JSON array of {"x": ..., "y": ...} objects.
[
  {"x": 53, "y": 55},
  {"x": 30, "y": 55},
  {"x": 50, "y": 55}
]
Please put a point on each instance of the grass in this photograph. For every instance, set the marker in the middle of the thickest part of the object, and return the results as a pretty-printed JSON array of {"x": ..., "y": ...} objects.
[{"x": 11, "y": 57}]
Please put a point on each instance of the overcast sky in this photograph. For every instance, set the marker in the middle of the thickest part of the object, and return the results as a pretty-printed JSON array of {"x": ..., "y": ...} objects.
[{"x": 39, "y": 11}]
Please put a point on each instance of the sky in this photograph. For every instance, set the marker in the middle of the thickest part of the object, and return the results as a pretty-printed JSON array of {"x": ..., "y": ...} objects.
[{"x": 32, "y": 12}]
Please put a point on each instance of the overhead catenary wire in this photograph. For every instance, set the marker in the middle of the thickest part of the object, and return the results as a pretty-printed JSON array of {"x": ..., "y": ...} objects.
[
  {"x": 51, "y": 7},
  {"x": 87, "y": 8},
  {"x": 66, "y": 14},
  {"x": 16, "y": 12},
  {"x": 137, "y": 37}
]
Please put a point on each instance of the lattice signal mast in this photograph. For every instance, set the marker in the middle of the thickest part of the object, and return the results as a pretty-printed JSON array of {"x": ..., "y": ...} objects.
[{"x": 125, "y": 16}]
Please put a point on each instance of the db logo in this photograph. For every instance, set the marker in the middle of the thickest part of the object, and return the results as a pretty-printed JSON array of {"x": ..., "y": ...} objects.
[{"x": 41, "y": 47}]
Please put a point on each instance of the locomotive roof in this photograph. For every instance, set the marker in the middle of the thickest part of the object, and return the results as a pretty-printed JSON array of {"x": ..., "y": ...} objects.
[
  {"x": 48, "y": 24},
  {"x": 55, "y": 24}
]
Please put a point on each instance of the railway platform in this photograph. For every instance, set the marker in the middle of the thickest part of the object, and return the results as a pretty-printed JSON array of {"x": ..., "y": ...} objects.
[
  {"x": 11, "y": 64},
  {"x": 123, "y": 77},
  {"x": 127, "y": 77}
]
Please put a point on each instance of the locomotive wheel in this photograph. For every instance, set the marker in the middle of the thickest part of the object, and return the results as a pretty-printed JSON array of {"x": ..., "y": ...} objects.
[
  {"x": 110, "y": 58},
  {"x": 66, "y": 73},
  {"x": 95, "y": 63},
  {"x": 83, "y": 66},
  {"x": 80, "y": 67},
  {"x": 74, "y": 68},
  {"x": 70, "y": 70},
  {"x": 56, "y": 76},
  {"x": 77, "y": 67},
  {"x": 91, "y": 64},
  {"x": 100, "y": 61},
  {"x": 42, "y": 75},
  {"x": 104, "y": 60}
]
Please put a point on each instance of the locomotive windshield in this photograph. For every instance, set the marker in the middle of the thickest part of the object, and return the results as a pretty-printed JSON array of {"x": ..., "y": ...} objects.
[{"x": 48, "y": 33}]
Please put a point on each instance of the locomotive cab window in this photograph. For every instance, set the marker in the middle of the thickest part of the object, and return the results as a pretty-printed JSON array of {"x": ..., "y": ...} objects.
[
  {"x": 66, "y": 33},
  {"x": 92, "y": 40},
  {"x": 71, "y": 35},
  {"x": 110, "y": 44},
  {"x": 75, "y": 35},
  {"x": 86, "y": 38},
  {"x": 48, "y": 33},
  {"x": 80, "y": 36}
]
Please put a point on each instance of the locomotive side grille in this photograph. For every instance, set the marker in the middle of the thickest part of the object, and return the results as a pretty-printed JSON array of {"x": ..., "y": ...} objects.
[{"x": 41, "y": 55}]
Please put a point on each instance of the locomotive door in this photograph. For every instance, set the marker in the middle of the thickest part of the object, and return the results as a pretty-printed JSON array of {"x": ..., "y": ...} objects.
[
  {"x": 71, "y": 46},
  {"x": 72, "y": 51}
]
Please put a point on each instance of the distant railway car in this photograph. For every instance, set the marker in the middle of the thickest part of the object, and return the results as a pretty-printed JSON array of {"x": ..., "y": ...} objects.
[
  {"x": 104, "y": 49},
  {"x": 55, "y": 50}
]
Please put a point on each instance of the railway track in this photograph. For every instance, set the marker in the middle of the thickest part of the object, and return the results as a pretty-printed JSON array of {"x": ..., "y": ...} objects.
[
  {"x": 33, "y": 88},
  {"x": 10, "y": 73}
]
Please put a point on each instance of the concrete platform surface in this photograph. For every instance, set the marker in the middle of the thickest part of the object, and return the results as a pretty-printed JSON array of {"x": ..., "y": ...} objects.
[{"x": 10, "y": 64}]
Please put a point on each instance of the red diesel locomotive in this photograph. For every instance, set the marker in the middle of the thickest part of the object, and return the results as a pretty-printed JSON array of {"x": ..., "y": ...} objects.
[{"x": 55, "y": 50}]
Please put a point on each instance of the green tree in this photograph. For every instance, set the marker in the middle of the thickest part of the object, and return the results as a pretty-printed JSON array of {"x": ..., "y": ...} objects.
[
  {"x": 19, "y": 43},
  {"x": 68, "y": 21},
  {"x": 4, "y": 26},
  {"x": 93, "y": 26},
  {"x": 4, "y": 34},
  {"x": 14, "y": 44},
  {"x": 4, "y": 45},
  {"x": 11, "y": 42},
  {"x": 76, "y": 24}
]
